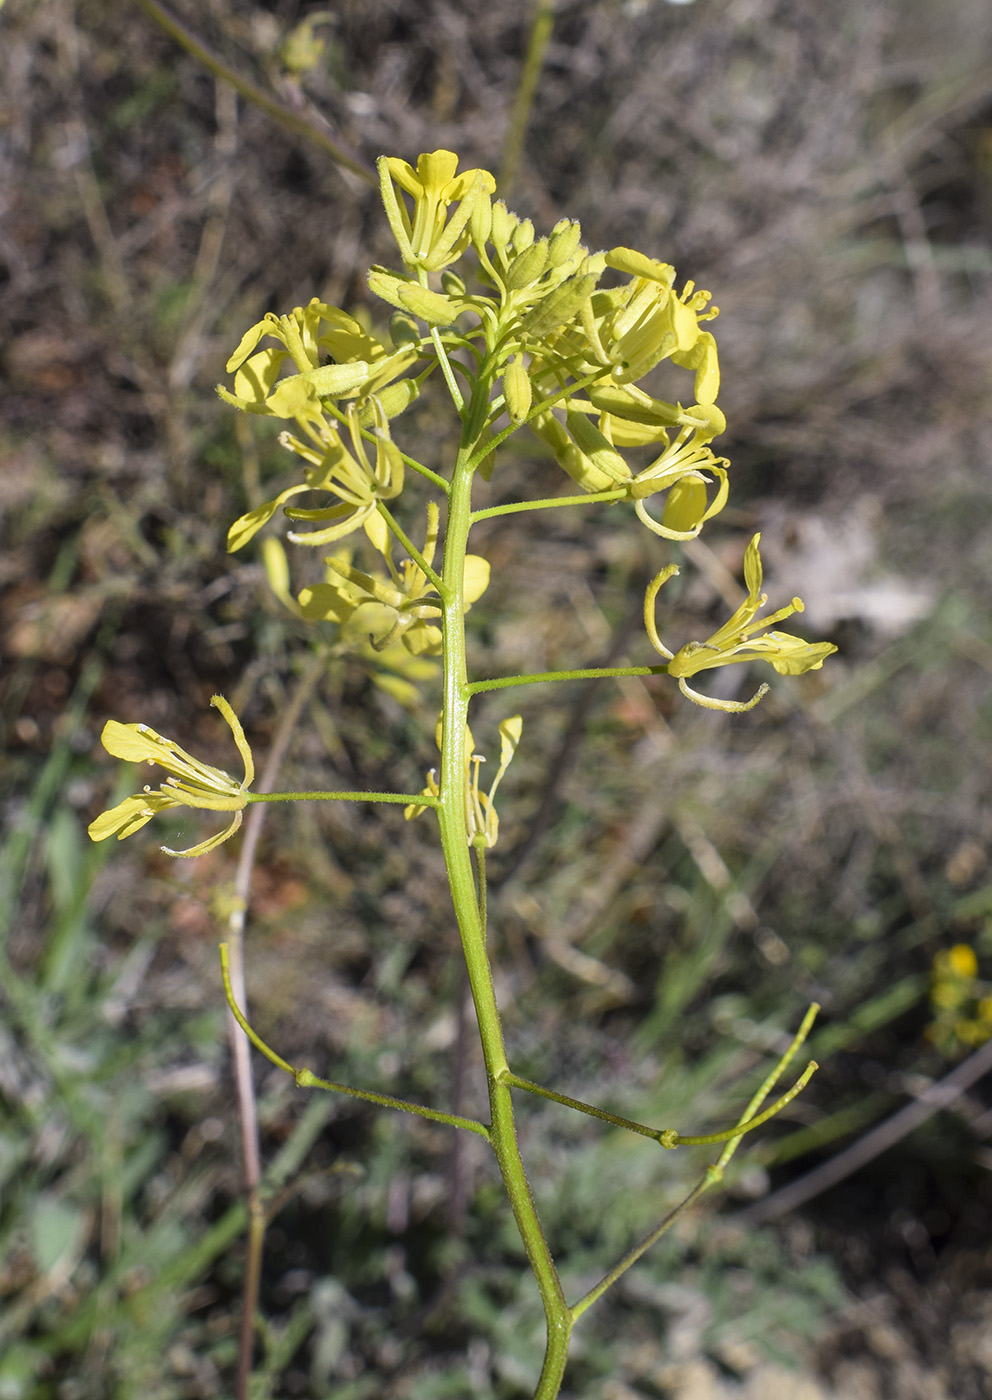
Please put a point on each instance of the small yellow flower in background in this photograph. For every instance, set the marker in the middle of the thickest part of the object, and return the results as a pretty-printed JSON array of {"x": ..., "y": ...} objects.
[
  {"x": 192, "y": 784},
  {"x": 960, "y": 1001},
  {"x": 736, "y": 640},
  {"x": 480, "y": 811}
]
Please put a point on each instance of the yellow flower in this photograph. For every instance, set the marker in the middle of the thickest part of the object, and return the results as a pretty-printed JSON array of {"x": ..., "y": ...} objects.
[
  {"x": 679, "y": 470},
  {"x": 646, "y": 322},
  {"x": 349, "y": 476},
  {"x": 434, "y": 185},
  {"x": 736, "y": 640},
  {"x": 192, "y": 784},
  {"x": 402, "y": 607},
  {"x": 356, "y": 363},
  {"x": 481, "y": 820},
  {"x": 960, "y": 961},
  {"x": 960, "y": 1001}
]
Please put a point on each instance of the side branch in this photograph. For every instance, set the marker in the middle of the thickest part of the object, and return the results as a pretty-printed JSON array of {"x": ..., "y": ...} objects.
[
  {"x": 714, "y": 1173},
  {"x": 549, "y": 503},
  {"x": 669, "y": 1137},
  {"x": 585, "y": 673},
  {"x": 405, "y": 798},
  {"x": 306, "y": 1079}
]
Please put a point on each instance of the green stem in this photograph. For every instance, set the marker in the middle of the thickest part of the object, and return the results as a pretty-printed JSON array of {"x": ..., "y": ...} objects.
[
  {"x": 549, "y": 503},
  {"x": 411, "y": 549},
  {"x": 306, "y": 1079},
  {"x": 632, "y": 1256},
  {"x": 419, "y": 799},
  {"x": 457, "y": 856},
  {"x": 584, "y": 673}
]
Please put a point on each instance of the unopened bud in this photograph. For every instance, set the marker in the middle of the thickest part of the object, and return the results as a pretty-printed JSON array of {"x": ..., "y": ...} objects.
[
  {"x": 403, "y": 329},
  {"x": 517, "y": 390},
  {"x": 559, "y": 306},
  {"x": 393, "y": 400},
  {"x": 563, "y": 242},
  {"x": 428, "y": 306},
  {"x": 481, "y": 221},
  {"x": 597, "y": 447},
  {"x": 523, "y": 235},
  {"x": 527, "y": 267},
  {"x": 502, "y": 226}
]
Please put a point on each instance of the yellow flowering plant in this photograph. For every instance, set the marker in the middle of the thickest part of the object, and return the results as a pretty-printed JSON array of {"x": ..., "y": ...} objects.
[
  {"x": 525, "y": 331},
  {"x": 960, "y": 1001}
]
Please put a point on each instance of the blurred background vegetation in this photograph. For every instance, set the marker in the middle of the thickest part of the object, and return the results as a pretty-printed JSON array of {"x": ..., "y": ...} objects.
[{"x": 672, "y": 886}]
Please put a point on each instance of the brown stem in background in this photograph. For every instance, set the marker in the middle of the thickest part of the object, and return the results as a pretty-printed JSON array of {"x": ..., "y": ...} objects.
[
  {"x": 872, "y": 1144},
  {"x": 240, "y": 1049},
  {"x": 296, "y": 122}
]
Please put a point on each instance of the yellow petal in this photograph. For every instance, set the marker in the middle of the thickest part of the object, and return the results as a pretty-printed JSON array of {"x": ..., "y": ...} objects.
[
  {"x": 219, "y": 703},
  {"x": 134, "y": 742},
  {"x": 211, "y": 842},
  {"x": 477, "y": 572},
  {"x": 128, "y": 816},
  {"x": 246, "y": 526}
]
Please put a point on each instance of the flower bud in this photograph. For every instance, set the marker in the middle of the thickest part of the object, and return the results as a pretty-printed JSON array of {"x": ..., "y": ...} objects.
[
  {"x": 395, "y": 399},
  {"x": 559, "y": 306},
  {"x": 428, "y": 306},
  {"x": 517, "y": 390},
  {"x": 597, "y": 447},
  {"x": 523, "y": 235},
  {"x": 481, "y": 221},
  {"x": 403, "y": 329},
  {"x": 527, "y": 267},
  {"x": 501, "y": 230},
  {"x": 452, "y": 283},
  {"x": 579, "y": 467},
  {"x": 563, "y": 242},
  {"x": 633, "y": 403}
]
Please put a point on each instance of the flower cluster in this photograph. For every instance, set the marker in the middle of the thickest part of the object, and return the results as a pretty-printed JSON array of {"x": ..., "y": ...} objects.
[
  {"x": 566, "y": 352},
  {"x": 549, "y": 335}
]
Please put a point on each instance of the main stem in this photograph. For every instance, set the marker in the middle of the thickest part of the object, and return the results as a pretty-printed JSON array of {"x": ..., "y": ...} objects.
[{"x": 457, "y": 857}]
